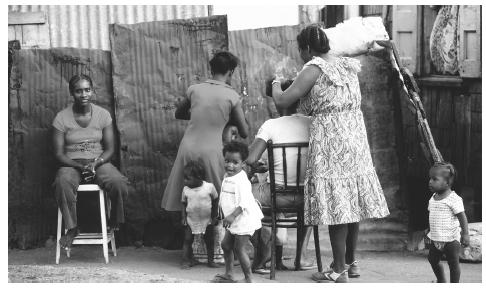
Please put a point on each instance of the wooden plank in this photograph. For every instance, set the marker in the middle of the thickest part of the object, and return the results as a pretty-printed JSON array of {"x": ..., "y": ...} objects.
[
  {"x": 11, "y": 33},
  {"x": 440, "y": 81},
  {"x": 429, "y": 16},
  {"x": 35, "y": 36},
  {"x": 405, "y": 34},
  {"x": 21, "y": 18},
  {"x": 470, "y": 41}
]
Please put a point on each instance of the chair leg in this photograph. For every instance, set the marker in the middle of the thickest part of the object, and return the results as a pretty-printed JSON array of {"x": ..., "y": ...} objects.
[
  {"x": 300, "y": 240},
  {"x": 113, "y": 244},
  {"x": 272, "y": 243},
  {"x": 317, "y": 248},
  {"x": 103, "y": 225},
  {"x": 59, "y": 230}
]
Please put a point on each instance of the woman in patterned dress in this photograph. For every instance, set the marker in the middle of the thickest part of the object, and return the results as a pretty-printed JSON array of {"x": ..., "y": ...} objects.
[{"x": 341, "y": 185}]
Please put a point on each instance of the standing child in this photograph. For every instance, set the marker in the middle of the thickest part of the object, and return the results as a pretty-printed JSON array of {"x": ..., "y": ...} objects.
[
  {"x": 240, "y": 212},
  {"x": 199, "y": 199},
  {"x": 447, "y": 221}
]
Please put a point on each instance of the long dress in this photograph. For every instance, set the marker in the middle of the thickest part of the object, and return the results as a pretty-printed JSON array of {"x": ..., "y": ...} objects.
[
  {"x": 211, "y": 105},
  {"x": 341, "y": 185}
]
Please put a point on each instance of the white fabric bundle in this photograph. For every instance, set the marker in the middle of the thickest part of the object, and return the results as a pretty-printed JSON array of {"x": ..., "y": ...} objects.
[{"x": 356, "y": 36}]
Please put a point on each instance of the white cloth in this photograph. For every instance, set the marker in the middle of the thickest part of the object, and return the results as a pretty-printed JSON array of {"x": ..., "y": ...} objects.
[
  {"x": 236, "y": 192},
  {"x": 287, "y": 129},
  {"x": 199, "y": 206},
  {"x": 356, "y": 36},
  {"x": 443, "y": 222}
]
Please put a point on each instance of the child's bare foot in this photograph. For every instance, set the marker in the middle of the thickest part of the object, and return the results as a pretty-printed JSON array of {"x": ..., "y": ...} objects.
[
  {"x": 281, "y": 267},
  {"x": 194, "y": 262}
]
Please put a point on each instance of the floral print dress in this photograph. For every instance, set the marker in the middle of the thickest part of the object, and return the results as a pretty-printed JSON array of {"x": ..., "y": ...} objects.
[{"x": 341, "y": 185}]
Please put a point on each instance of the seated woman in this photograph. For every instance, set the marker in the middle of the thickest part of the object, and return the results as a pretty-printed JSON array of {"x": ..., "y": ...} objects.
[{"x": 83, "y": 144}]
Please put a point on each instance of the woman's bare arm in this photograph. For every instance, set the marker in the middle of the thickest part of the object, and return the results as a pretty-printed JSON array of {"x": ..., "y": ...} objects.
[
  {"x": 58, "y": 141},
  {"x": 238, "y": 116},
  {"x": 299, "y": 88}
]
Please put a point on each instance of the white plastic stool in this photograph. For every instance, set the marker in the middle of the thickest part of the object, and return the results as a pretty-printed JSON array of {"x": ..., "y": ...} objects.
[{"x": 102, "y": 238}]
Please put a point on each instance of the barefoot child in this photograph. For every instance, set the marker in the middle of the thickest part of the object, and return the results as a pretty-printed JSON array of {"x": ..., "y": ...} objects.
[
  {"x": 199, "y": 199},
  {"x": 240, "y": 212},
  {"x": 447, "y": 221}
]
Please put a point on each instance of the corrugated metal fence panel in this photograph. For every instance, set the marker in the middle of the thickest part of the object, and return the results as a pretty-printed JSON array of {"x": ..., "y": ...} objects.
[
  {"x": 260, "y": 51},
  {"x": 153, "y": 64},
  {"x": 38, "y": 91},
  {"x": 86, "y": 26}
]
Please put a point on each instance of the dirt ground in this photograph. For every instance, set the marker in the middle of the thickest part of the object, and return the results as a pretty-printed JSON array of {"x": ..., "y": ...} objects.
[{"x": 156, "y": 265}]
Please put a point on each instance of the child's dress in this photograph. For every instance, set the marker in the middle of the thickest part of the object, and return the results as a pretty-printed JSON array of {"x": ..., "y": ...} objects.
[
  {"x": 236, "y": 192},
  {"x": 443, "y": 222},
  {"x": 198, "y": 208}
]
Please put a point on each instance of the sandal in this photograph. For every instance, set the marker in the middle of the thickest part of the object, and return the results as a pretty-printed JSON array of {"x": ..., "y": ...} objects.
[
  {"x": 67, "y": 239},
  {"x": 353, "y": 270},
  {"x": 262, "y": 271},
  {"x": 331, "y": 276},
  {"x": 223, "y": 278},
  {"x": 307, "y": 266}
]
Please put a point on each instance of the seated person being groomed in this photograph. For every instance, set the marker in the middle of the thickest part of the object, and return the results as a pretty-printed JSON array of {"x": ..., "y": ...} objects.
[
  {"x": 289, "y": 128},
  {"x": 83, "y": 145}
]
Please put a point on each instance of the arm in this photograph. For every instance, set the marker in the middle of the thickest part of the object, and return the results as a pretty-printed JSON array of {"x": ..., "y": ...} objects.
[
  {"x": 183, "y": 109},
  {"x": 299, "y": 88},
  {"x": 464, "y": 228},
  {"x": 108, "y": 148},
  {"x": 58, "y": 141},
  {"x": 238, "y": 116},
  {"x": 231, "y": 218},
  {"x": 256, "y": 150},
  {"x": 184, "y": 214}
]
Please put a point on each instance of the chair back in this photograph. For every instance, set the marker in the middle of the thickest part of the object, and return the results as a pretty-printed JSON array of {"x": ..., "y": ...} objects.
[{"x": 286, "y": 188}]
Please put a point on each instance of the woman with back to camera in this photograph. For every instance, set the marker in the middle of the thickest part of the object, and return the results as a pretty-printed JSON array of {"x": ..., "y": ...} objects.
[
  {"x": 208, "y": 106},
  {"x": 84, "y": 143},
  {"x": 341, "y": 186}
]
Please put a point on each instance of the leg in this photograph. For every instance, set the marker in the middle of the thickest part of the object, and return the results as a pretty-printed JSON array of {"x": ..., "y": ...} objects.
[
  {"x": 113, "y": 244},
  {"x": 66, "y": 185},
  {"x": 263, "y": 248},
  {"x": 187, "y": 248},
  {"x": 240, "y": 243},
  {"x": 452, "y": 251},
  {"x": 434, "y": 260},
  {"x": 337, "y": 235},
  {"x": 209, "y": 240},
  {"x": 227, "y": 245},
  {"x": 116, "y": 186},
  {"x": 304, "y": 257},
  {"x": 317, "y": 247},
  {"x": 351, "y": 241}
]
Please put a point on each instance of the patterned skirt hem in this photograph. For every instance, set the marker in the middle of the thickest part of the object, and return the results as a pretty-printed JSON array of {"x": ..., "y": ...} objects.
[{"x": 333, "y": 201}]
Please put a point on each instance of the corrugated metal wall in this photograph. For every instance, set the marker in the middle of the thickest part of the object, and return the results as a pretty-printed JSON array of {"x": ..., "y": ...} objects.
[{"x": 86, "y": 26}]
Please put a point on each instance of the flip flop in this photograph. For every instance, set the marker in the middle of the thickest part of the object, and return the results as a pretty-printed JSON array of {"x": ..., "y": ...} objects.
[
  {"x": 222, "y": 278},
  {"x": 308, "y": 266},
  {"x": 262, "y": 271}
]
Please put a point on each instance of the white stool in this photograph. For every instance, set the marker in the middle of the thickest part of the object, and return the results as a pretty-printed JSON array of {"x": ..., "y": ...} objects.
[{"x": 102, "y": 238}]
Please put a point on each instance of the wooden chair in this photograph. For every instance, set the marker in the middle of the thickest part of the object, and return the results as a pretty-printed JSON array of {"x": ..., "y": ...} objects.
[
  {"x": 275, "y": 222},
  {"x": 102, "y": 238}
]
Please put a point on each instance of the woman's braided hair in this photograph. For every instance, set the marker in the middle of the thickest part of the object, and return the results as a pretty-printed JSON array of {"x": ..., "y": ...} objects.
[{"x": 313, "y": 37}]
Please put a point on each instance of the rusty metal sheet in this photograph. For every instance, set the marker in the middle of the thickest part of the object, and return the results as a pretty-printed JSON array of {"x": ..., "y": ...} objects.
[
  {"x": 260, "y": 51},
  {"x": 153, "y": 64},
  {"x": 38, "y": 90}
]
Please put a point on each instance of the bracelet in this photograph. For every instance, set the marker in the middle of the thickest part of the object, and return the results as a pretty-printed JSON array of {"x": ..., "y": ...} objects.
[
  {"x": 276, "y": 81},
  {"x": 101, "y": 159}
]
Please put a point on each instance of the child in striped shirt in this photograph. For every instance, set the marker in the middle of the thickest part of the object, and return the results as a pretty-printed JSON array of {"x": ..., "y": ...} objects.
[{"x": 447, "y": 221}]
